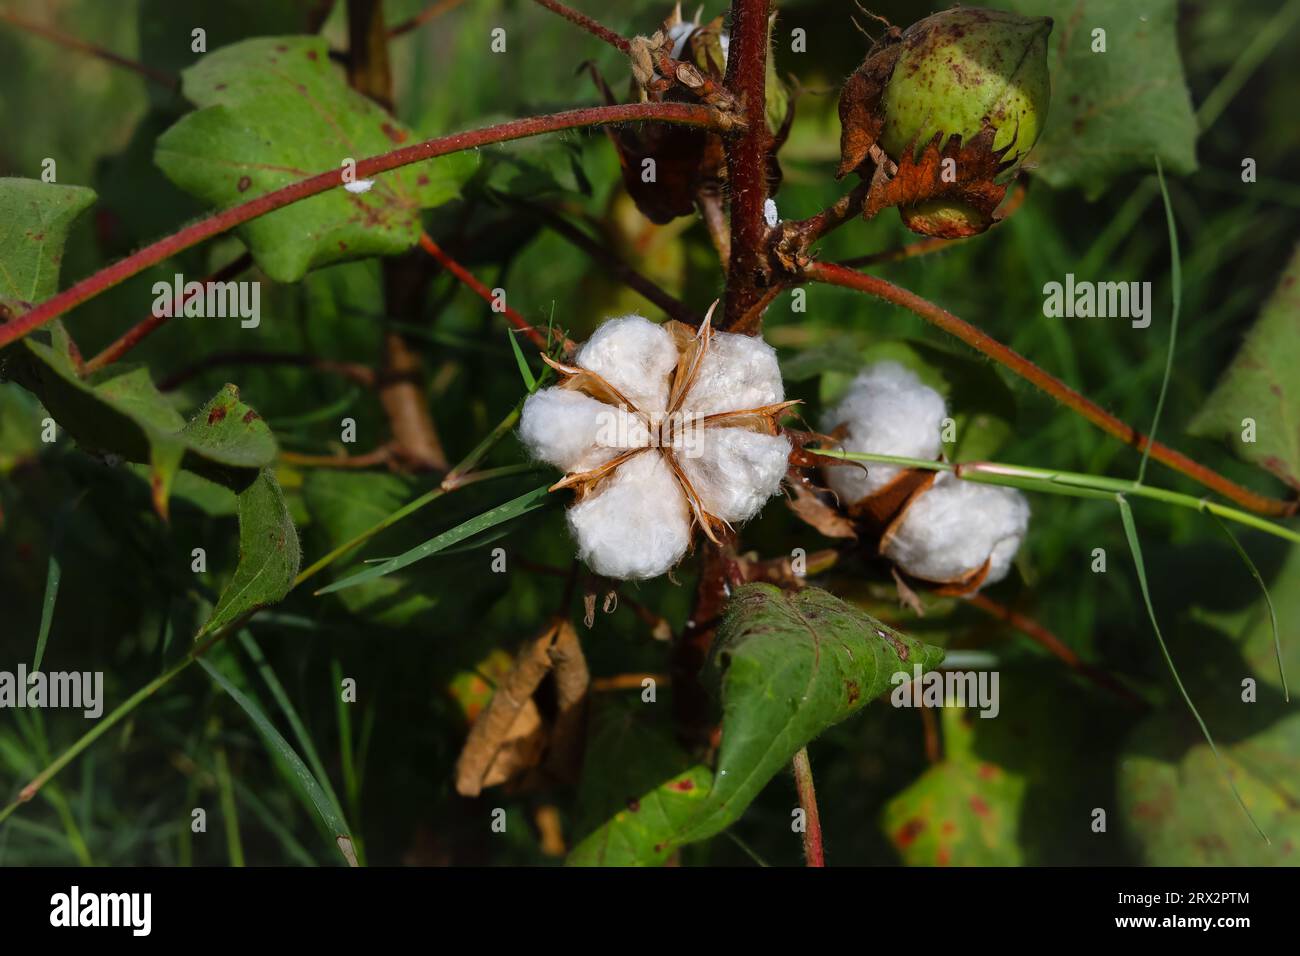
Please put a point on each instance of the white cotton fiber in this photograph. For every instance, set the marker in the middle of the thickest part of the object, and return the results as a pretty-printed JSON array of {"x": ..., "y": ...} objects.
[
  {"x": 637, "y": 524},
  {"x": 635, "y": 356},
  {"x": 952, "y": 528},
  {"x": 736, "y": 471},
  {"x": 574, "y": 432},
  {"x": 886, "y": 411},
  {"x": 738, "y": 372}
]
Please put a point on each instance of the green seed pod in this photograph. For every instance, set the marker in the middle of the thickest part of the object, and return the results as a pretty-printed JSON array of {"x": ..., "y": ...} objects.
[{"x": 961, "y": 67}]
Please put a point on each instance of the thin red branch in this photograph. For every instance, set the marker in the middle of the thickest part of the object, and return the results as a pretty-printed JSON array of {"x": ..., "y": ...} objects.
[
  {"x": 138, "y": 332},
  {"x": 746, "y": 80},
  {"x": 353, "y": 371},
  {"x": 423, "y": 17},
  {"x": 684, "y": 113},
  {"x": 813, "y": 852},
  {"x": 535, "y": 335},
  {"x": 378, "y": 456},
  {"x": 160, "y": 77},
  {"x": 616, "y": 267},
  {"x": 1054, "y": 645},
  {"x": 833, "y": 274},
  {"x": 587, "y": 23}
]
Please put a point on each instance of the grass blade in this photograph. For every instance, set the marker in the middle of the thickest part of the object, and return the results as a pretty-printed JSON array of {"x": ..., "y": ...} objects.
[
  {"x": 1268, "y": 599},
  {"x": 529, "y": 501},
  {"x": 525, "y": 372},
  {"x": 309, "y": 784},
  {"x": 1130, "y": 532},
  {"x": 291, "y": 714},
  {"x": 1176, "y": 291}
]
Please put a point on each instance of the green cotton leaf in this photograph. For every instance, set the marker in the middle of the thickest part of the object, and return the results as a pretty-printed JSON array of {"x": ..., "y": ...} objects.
[
  {"x": 1135, "y": 546},
  {"x": 117, "y": 410},
  {"x": 1255, "y": 407},
  {"x": 1174, "y": 808},
  {"x": 516, "y": 507},
  {"x": 34, "y": 221},
  {"x": 307, "y": 783},
  {"x": 630, "y": 809},
  {"x": 275, "y": 110},
  {"x": 791, "y": 665},
  {"x": 1112, "y": 111},
  {"x": 269, "y": 554},
  {"x": 962, "y": 811}
]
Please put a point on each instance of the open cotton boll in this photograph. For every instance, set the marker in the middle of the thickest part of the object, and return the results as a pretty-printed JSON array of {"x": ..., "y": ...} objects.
[
  {"x": 636, "y": 525},
  {"x": 738, "y": 372},
  {"x": 886, "y": 411},
  {"x": 574, "y": 432},
  {"x": 635, "y": 356},
  {"x": 954, "y": 526},
  {"x": 736, "y": 471}
]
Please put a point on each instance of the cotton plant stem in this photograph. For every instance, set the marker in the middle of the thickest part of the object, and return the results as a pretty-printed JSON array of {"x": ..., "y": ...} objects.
[
  {"x": 146, "y": 327},
  {"x": 463, "y": 275},
  {"x": 687, "y": 114},
  {"x": 587, "y": 23},
  {"x": 423, "y": 17},
  {"x": 833, "y": 274},
  {"x": 812, "y": 831},
  {"x": 163, "y": 79},
  {"x": 1070, "y": 483},
  {"x": 746, "y": 80}
]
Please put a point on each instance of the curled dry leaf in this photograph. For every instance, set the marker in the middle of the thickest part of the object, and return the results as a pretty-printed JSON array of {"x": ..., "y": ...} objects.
[{"x": 521, "y": 730}]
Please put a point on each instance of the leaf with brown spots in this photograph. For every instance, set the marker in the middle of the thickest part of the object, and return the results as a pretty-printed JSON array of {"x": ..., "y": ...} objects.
[
  {"x": 963, "y": 811},
  {"x": 274, "y": 110}
]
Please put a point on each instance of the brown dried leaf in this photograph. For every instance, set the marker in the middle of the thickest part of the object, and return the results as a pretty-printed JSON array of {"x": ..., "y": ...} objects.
[
  {"x": 809, "y": 508},
  {"x": 884, "y": 508},
  {"x": 861, "y": 114}
]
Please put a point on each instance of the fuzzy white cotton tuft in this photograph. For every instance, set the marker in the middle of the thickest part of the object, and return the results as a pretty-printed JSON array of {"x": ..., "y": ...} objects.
[
  {"x": 574, "y": 432},
  {"x": 954, "y": 526},
  {"x": 736, "y": 471},
  {"x": 887, "y": 411},
  {"x": 636, "y": 525},
  {"x": 738, "y": 372},
  {"x": 635, "y": 356}
]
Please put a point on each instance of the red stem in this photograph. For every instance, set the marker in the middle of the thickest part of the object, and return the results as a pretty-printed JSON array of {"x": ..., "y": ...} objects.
[
  {"x": 423, "y": 17},
  {"x": 683, "y": 113},
  {"x": 362, "y": 375},
  {"x": 833, "y": 274},
  {"x": 534, "y": 334},
  {"x": 588, "y": 24},
  {"x": 136, "y": 333},
  {"x": 73, "y": 43},
  {"x": 813, "y": 852},
  {"x": 746, "y": 80}
]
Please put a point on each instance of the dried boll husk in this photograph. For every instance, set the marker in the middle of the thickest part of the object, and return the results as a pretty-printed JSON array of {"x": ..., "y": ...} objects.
[{"x": 940, "y": 116}]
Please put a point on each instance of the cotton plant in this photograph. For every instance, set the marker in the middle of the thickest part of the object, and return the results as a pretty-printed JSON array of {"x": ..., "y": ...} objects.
[
  {"x": 956, "y": 534},
  {"x": 660, "y": 430}
]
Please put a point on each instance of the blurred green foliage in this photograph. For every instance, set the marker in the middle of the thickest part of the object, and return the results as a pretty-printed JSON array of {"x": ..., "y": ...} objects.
[{"x": 129, "y": 603}]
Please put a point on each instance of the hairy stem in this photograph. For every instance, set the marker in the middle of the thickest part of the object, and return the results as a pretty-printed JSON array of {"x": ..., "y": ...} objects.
[
  {"x": 146, "y": 327},
  {"x": 746, "y": 80},
  {"x": 1053, "y": 386},
  {"x": 423, "y": 17},
  {"x": 812, "y": 829},
  {"x": 353, "y": 371},
  {"x": 587, "y": 23},
  {"x": 163, "y": 79},
  {"x": 535, "y": 335},
  {"x": 684, "y": 113}
]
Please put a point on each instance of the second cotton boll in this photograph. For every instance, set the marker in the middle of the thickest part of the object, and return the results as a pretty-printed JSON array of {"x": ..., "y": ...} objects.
[{"x": 947, "y": 533}]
